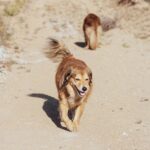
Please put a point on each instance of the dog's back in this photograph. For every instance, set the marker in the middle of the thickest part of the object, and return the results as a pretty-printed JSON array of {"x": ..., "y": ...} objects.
[{"x": 92, "y": 30}]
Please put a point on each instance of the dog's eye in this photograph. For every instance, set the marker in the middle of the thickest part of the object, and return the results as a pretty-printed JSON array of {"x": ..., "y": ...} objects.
[
  {"x": 87, "y": 79},
  {"x": 77, "y": 79}
]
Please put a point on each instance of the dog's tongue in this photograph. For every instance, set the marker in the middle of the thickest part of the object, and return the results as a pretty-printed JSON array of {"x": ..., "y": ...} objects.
[{"x": 82, "y": 93}]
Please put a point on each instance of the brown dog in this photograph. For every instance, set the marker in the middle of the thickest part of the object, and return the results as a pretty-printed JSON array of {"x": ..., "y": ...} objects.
[
  {"x": 74, "y": 84},
  {"x": 92, "y": 30}
]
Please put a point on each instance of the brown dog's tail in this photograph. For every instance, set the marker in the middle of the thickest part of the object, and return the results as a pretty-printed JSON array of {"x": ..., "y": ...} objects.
[{"x": 56, "y": 50}]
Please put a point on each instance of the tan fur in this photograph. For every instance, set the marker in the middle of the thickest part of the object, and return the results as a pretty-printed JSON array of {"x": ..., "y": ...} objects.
[
  {"x": 74, "y": 84},
  {"x": 92, "y": 30}
]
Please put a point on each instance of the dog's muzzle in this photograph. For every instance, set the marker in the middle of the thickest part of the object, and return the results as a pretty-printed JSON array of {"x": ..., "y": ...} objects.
[{"x": 81, "y": 93}]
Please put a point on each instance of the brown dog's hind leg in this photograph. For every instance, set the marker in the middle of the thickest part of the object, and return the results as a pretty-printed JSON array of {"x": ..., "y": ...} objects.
[
  {"x": 87, "y": 43},
  {"x": 99, "y": 34}
]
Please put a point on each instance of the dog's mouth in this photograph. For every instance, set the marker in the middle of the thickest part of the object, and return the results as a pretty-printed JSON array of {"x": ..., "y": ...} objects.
[{"x": 80, "y": 93}]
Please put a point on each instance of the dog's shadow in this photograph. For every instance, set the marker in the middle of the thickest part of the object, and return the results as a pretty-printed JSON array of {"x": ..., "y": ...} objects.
[
  {"x": 80, "y": 44},
  {"x": 50, "y": 107}
]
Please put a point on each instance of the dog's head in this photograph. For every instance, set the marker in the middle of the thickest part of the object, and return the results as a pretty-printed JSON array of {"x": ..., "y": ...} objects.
[{"x": 80, "y": 80}]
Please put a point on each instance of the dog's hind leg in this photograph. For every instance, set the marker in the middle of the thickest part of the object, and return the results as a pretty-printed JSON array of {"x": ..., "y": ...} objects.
[
  {"x": 99, "y": 34},
  {"x": 78, "y": 114},
  {"x": 87, "y": 42}
]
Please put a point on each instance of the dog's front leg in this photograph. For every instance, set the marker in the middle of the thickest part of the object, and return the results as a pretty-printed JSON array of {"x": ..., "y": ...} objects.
[
  {"x": 63, "y": 110},
  {"x": 78, "y": 114}
]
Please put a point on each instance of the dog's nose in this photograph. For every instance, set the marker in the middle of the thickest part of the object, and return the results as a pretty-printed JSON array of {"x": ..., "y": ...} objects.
[{"x": 84, "y": 88}]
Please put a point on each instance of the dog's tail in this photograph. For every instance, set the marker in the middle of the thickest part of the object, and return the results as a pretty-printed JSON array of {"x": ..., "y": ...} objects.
[{"x": 56, "y": 50}]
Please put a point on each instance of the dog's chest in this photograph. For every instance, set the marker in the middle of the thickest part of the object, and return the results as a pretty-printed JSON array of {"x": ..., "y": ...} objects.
[
  {"x": 72, "y": 98},
  {"x": 74, "y": 101}
]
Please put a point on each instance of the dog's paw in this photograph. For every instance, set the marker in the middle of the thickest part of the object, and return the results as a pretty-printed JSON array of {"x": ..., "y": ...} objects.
[
  {"x": 70, "y": 126},
  {"x": 86, "y": 47},
  {"x": 99, "y": 45},
  {"x": 63, "y": 124},
  {"x": 75, "y": 126}
]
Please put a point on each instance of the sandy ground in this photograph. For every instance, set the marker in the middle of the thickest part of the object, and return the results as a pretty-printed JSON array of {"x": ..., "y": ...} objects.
[{"x": 117, "y": 114}]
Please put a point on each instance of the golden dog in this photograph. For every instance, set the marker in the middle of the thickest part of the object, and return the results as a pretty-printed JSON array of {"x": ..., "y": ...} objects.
[
  {"x": 92, "y": 30},
  {"x": 74, "y": 84}
]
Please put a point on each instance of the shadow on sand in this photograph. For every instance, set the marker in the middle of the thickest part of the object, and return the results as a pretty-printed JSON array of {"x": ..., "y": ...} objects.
[
  {"x": 80, "y": 44},
  {"x": 50, "y": 107}
]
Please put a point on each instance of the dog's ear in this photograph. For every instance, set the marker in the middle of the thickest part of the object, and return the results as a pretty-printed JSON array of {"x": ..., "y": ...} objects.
[
  {"x": 90, "y": 76},
  {"x": 65, "y": 78}
]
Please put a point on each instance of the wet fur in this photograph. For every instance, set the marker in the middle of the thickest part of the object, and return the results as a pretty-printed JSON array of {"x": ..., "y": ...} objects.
[
  {"x": 92, "y": 31},
  {"x": 69, "y": 99}
]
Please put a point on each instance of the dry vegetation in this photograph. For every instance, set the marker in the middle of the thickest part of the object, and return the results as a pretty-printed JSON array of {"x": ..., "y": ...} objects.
[
  {"x": 4, "y": 36},
  {"x": 9, "y": 9},
  {"x": 14, "y": 8},
  {"x": 7, "y": 65}
]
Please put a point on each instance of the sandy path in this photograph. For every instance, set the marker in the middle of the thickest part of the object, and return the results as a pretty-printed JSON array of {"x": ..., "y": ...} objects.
[{"x": 117, "y": 114}]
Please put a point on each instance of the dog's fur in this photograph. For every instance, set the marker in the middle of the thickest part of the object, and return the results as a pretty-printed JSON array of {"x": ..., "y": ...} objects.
[
  {"x": 74, "y": 84},
  {"x": 92, "y": 31}
]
